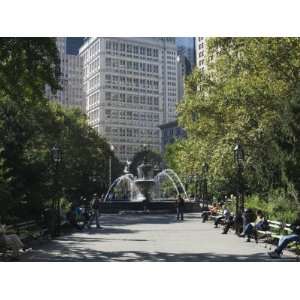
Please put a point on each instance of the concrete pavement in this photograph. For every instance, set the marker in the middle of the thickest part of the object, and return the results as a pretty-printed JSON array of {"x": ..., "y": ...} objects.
[{"x": 151, "y": 238}]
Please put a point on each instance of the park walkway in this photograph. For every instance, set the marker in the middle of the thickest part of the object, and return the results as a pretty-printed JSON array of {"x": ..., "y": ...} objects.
[{"x": 150, "y": 238}]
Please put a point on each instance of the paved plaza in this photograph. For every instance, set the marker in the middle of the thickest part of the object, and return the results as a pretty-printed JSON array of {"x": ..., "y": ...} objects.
[{"x": 151, "y": 238}]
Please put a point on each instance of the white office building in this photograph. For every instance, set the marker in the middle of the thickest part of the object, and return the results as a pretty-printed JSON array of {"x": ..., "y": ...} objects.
[
  {"x": 200, "y": 52},
  {"x": 71, "y": 94},
  {"x": 130, "y": 87}
]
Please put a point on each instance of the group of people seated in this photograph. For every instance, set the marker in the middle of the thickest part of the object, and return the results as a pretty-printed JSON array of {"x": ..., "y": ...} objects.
[{"x": 248, "y": 224}]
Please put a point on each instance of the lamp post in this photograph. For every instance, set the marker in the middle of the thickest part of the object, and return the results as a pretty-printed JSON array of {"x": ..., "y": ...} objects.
[
  {"x": 197, "y": 179},
  {"x": 239, "y": 158},
  {"x": 186, "y": 183},
  {"x": 205, "y": 168},
  {"x": 112, "y": 149},
  {"x": 94, "y": 180},
  {"x": 56, "y": 158}
]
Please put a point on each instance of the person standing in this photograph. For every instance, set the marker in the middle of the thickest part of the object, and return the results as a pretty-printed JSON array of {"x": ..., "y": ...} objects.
[
  {"x": 180, "y": 207},
  {"x": 95, "y": 214}
]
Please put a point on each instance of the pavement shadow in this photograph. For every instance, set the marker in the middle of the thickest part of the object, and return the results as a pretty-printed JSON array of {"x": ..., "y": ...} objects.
[{"x": 76, "y": 254}]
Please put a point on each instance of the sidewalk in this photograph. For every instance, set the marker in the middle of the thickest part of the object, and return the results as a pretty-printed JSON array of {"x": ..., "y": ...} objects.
[{"x": 152, "y": 238}]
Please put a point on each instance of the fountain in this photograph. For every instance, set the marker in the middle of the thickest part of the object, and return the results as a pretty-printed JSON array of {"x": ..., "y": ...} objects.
[{"x": 146, "y": 187}]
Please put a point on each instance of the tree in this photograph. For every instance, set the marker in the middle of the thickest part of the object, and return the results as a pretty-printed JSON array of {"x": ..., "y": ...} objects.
[
  {"x": 27, "y": 64},
  {"x": 30, "y": 125},
  {"x": 249, "y": 93},
  {"x": 154, "y": 158}
]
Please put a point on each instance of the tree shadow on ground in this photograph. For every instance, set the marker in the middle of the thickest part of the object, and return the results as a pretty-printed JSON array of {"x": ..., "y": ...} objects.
[
  {"x": 77, "y": 247},
  {"x": 79, "y": 254}
]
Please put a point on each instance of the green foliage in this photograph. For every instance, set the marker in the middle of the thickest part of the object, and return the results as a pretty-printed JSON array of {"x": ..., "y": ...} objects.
[
  {"x": 152, "y": 157},
  {"x": 249, "y": 93},
  {"x": 30, "y": 125},
  {"x": 26, "y": 65},
  {"x": 277, "y": 206}
]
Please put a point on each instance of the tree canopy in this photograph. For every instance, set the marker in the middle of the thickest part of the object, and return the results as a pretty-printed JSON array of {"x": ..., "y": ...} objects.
[
  {"x": 30, "y": 126},
  {"x": 249, "y": 93}
]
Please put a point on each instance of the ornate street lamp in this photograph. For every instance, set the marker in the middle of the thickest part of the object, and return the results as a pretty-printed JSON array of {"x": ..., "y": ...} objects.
[
  {"x": 239, "y": 158},
  {"x": 239, "y": 155},
  {"x": 56, "y": 154},
  {"x": 205, "y": 168}
]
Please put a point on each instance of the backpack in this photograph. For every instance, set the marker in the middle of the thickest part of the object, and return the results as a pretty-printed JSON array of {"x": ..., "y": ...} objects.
[{"x": 265, "y": 225}]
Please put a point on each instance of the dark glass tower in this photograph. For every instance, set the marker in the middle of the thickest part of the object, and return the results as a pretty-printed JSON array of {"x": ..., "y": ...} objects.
[
  {"x": 73, "y": 45},
  {"x": 186, "y": 46}
]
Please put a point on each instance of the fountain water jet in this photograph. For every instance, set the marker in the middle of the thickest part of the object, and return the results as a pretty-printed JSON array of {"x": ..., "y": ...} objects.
[{"x": 141, "y": 188}]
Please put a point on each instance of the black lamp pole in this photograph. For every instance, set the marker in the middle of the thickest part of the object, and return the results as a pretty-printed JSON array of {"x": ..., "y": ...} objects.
[
  {"x": 195, "y": 186},
  {"x": 205, "y": 168},
  {"x": 186, "y": 183},
  {"x": 239, "y": 158},
  {"x": 56, "y": 158}
]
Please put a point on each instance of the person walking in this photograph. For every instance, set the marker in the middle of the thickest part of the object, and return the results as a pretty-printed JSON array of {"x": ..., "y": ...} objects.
[
  {"x": 95, "y": 214},
  {"x": 180, "y": 207}
]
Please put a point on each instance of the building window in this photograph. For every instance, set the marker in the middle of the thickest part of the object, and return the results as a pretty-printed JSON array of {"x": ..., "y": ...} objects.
[
  {"x": 122, "y": 47},
  {"x": 142, "y": 51},
  {"x": 108, "y": 45},
  {"x": 108, "y": 96},
  {"x": 129, "y": 48},
  {"x": 108, "y": 62}
]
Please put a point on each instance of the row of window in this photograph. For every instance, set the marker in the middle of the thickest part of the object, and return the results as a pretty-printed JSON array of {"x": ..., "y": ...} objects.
[
  {"x": 129, "y": 81},
  {"x": 201, "y": 46},
  {"x": 132, "y": 98},
  {"x": 94, "y": 115},
  {"x": 132, "y": 132},
  {"x": 93, "y": 67},
  {"x": 94, "y": 82},
  {"x": 131, "y": 65},
  {"x": 93, "y": 99},
  {"x": 129, "y": 48},
  {"x": 92, "y": 51},
  {"x": 131, "y": 115},
  {"x": 201, "y": 54}
]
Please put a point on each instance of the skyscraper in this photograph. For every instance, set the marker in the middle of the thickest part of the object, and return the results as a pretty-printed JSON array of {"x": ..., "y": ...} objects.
[
  {"x": 186, "y": 47},
  {"x": 130, "y": 87},
  {"x": 71, "y": 94},
  {"x": 200, "y": 52}
]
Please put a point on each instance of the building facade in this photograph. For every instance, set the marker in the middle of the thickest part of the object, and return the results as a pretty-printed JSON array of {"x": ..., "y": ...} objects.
[
  {"x": 200, "y": 52},
  {"x": 71, "y": 94},
  {"x": 130, "y": 87},
  {"x": 170, "y": 132}
]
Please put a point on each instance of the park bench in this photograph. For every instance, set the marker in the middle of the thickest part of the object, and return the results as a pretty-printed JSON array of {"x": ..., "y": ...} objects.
[
  {"x": 26, "y": 231},
  {"x": 31, "y": 230},
  {"x": 277, "y": 230}
]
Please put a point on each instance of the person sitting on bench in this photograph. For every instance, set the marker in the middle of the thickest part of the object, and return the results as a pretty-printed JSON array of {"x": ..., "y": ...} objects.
[
  {"x": 286, "y": 239},
  {"x": 212, "y": 211},
  {"x": 225, "y": 215},
  {"x": 251, "y": 228},
  {"x": 11, "y": 241},
  {"x": 228, "y": 224}
]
